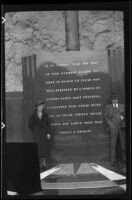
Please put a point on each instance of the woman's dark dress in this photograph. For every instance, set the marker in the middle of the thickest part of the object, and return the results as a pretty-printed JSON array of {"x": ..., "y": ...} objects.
[{"x": 40, "y": 129}]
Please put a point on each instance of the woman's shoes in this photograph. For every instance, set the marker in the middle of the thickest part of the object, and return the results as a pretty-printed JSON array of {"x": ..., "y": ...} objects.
[
  {"x": 42, "y": 169},
  {"x": 46, "y": 167}
]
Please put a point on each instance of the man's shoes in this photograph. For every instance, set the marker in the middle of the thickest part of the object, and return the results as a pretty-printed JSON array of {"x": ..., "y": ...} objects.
[
  {"x": 124, "y": 169},
  {"x": 113, "y": 164}
]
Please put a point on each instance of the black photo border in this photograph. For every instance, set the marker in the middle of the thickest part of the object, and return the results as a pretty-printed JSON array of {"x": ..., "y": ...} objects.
[{"x": 123, "y": 6}]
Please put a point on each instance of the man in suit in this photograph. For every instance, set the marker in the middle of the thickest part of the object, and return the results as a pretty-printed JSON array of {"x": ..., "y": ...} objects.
[{"x": 115, "y": 120}]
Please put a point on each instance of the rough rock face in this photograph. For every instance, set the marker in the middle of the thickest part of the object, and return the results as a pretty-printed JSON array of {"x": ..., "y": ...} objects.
[
  {"x": 28, "y": 33},
  {"x": 101, "y": 29}
]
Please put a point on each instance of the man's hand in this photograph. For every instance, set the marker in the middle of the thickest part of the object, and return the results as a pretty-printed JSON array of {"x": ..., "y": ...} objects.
[
  {"x": 48, "y": 136},
  {"x": 121, "y": 117}
]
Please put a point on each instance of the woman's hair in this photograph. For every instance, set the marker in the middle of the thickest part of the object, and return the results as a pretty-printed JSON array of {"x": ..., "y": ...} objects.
[{"x": 39, "y": 103}]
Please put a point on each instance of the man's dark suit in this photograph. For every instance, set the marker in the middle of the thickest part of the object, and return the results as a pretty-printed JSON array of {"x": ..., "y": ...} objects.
[{"x": 116, "y": 126}]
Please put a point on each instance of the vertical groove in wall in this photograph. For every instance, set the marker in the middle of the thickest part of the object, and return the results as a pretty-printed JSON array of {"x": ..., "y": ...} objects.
[
  {"x": 116, "y": 71},
  {"x": 72, "y": 31},
  {"x": 29, "y": 70}
]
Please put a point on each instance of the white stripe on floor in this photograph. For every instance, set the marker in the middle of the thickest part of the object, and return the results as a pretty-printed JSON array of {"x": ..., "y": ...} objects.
[
  {"x": 86, "y": 168},
  {"x": 108, "y": 173},
  {"x": 48, "y": 172},
  {"x": 67, "y": 169},
  {"x": 123, "y": 186},
  {"x": 77, "y": 185}
]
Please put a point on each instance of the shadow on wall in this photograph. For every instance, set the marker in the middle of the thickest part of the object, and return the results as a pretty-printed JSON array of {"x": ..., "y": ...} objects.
[
  {"x": 118, "y": 88},
  {"x": 14, "y": 117}
]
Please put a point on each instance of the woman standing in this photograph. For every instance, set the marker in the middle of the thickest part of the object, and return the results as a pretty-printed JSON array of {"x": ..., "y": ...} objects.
[{"x": 39, "y": 123}]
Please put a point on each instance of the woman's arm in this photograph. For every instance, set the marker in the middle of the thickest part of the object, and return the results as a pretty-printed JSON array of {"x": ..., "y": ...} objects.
[
  {"x": 31, "y": 122},
  {"x": 48, "y": 130}
]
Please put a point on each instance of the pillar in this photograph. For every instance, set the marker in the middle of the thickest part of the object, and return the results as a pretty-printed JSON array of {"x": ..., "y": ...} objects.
[{"x": 72, "y": 31}]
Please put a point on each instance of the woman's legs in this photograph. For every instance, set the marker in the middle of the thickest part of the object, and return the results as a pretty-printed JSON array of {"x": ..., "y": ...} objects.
[
  {"x": 113, "y": 136},
  {"x": 46, "y": 163},
  {"x": 42, "y": 164}
]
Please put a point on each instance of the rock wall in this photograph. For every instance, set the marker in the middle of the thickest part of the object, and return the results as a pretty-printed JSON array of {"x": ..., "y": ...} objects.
[
  {"x": 28, "y": 33},
  {"x": 101, "y": 29}
]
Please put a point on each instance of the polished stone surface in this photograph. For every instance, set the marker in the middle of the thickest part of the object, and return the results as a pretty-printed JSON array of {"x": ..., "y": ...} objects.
[
  {"x": 84, "y": 179},
  {"x": 81, "y": 179}
]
